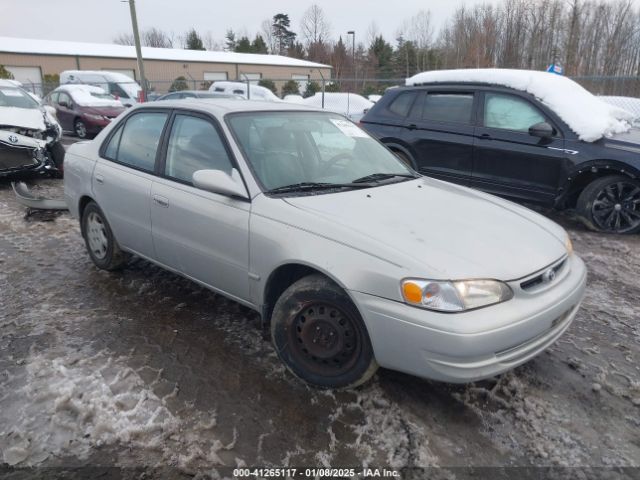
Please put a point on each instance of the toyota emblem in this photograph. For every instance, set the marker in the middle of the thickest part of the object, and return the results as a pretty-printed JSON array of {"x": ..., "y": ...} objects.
[
  {"x": 549, "y": 275},
  {"x": 13, "y": 139}
]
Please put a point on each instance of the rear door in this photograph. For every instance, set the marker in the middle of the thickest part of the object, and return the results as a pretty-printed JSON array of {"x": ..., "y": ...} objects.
[
  {"x": 440, "y": 130},
  {"x": 507, "y": 159},
  {"x": 201, "y": 234},
  {"x": 123, "y": 177},
  {"x": 64, "y": 111}
]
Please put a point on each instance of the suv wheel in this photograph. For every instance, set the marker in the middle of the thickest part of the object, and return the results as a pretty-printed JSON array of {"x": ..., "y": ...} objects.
[
  {"x": 99, "y": 240},
  {"x": 320, "y": 336},
  {"x": 611, "y": 204}
]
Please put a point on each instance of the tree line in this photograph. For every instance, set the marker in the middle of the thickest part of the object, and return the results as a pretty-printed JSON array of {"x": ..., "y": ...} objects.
[{"x": 587, "y": 38}]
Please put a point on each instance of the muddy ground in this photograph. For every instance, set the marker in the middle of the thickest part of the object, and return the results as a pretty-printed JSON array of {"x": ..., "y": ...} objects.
[{"x": 144, "y": 368}]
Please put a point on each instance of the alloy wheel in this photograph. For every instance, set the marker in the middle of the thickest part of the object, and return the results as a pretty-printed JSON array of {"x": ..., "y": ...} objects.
[{"x": 616, "y": 207}]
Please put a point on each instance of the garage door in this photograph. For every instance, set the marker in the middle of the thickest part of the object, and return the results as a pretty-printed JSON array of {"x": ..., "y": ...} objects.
[
  {"x": 29, "y": 77},
  {"x": 215, "y": 76}
]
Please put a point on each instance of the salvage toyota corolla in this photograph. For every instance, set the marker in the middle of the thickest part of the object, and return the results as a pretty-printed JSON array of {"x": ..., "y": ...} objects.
[{"x": 354, "y": 260}]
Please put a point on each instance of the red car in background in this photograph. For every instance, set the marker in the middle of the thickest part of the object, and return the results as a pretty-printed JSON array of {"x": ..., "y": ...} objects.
[{"x": 84, "y": 109}]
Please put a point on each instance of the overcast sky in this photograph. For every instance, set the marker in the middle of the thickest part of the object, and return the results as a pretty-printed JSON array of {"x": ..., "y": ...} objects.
[{"x": 102, "y": 20}]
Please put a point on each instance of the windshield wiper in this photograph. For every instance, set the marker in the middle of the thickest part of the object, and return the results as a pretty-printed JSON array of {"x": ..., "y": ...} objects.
[
  {"x": 374, "y": 177},
  {"x": 308, "y": 186}
]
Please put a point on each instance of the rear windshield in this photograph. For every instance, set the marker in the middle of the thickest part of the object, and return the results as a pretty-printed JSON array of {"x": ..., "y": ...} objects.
[{"x": 16, "y": 97}]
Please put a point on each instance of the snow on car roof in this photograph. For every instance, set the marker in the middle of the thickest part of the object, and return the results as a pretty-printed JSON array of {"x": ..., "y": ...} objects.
[
  {"x": 89, "y": 95},
  {"x": 55, "y": 47},
  {"x": 343, "y": 103},
  {"x": 584, "y": 113}
]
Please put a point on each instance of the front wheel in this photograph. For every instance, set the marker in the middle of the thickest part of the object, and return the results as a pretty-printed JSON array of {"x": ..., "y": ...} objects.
[
  {"x": 611, "y": 204},
  {"x": 80, "y": 128},
  {"x": 99, "y": 240},
  {"x": 319, "y": 334}
]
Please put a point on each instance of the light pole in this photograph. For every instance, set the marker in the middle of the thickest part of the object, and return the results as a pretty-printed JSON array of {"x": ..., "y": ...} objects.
[
  {"x": 353, "y": 52},
  {"x": 136, "y": 39}
]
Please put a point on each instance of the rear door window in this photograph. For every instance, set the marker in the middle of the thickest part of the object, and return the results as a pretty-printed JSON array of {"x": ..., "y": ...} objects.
[
  {"x": 449, "y": 107},
  {"x": 401, "y": 105},
  {"x": 509, "y": 112},
  {"x": 136, "y": 144}
]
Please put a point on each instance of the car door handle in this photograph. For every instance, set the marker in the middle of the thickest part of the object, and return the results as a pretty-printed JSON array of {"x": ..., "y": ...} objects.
[
  {"x": 485, "y": 136},
  {"x": 99, "y": 179},
  {"x": 161, "y": 201},
  {"x": 412, "y": 126}
]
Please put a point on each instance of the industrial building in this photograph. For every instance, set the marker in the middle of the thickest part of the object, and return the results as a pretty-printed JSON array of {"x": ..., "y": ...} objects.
[{"x": 35, "y": 61}]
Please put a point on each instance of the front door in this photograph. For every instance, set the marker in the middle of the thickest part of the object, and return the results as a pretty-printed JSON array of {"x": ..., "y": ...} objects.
[
  {"x": 507, "y": 159},
  {"x": 201, "y": 234},
  {"x": 64, "y": 111}
]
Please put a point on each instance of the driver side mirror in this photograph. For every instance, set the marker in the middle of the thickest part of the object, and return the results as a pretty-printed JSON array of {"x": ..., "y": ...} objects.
[
  {"x": 217, "y": 181},
  {"x": 542, "y": 130}
]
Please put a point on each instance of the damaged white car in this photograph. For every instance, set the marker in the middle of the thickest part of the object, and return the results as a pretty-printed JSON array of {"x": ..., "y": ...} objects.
[{"x": 29, "y": 134}]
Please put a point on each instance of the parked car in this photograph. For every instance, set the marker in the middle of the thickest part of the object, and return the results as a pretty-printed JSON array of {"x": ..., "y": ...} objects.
[
  {"x": 351, "y": 105},
  {"x": 117, "y": 84},
  {"x": 29, "y": 134},
  {"x": 630, "y": 104},
  {"x": 256, "y": 92},
  {"x": 83, "y": 109},
  {"x": 354, "y": 259},
  {"x": 196, "y": 94},
  {"x": 529, "y": 136}
]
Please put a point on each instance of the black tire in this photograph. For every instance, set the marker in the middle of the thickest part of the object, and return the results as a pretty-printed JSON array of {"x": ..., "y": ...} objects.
[
  {"x": 319, "y": 334},
  {"x": 611, "y": 204},
  {"x": 404, "y": 158},
  {"x": 80, "y": 129},
  {"x": 56, "y": 153},
  {"x": 110, "y": 257}
]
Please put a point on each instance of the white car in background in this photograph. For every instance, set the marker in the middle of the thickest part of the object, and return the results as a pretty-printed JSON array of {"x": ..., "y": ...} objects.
[
  {"x": 630, "y": 104},
  {"x": 351, "y": 105},
  {"x": 117, "y": 84},
  {"x": 255, "y": 92}
]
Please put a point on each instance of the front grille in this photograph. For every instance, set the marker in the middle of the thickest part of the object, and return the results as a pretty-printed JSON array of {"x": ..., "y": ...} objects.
[{"x": 540, "y": 279}]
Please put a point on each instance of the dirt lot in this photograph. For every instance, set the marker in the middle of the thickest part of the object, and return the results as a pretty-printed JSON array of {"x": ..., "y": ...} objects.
[{"x": 144, "y": 368}]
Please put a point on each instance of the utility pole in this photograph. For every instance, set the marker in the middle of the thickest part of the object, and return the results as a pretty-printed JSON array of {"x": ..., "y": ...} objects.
[
  {"x": 136, "y": 38},
  {"x": 353, "y": 53}
]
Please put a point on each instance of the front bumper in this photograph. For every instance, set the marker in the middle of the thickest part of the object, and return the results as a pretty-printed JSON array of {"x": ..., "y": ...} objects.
[{"x": 469, "y": 346}]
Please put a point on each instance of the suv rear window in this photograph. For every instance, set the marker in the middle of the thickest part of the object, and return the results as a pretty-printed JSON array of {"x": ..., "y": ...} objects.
[
  {"x": 402, "y": 103},
  {"x": 446, "y": 107}
]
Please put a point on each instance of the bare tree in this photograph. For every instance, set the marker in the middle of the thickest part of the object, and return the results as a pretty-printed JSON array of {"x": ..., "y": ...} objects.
[
  {"x": 210, "y": 43},
  {"x": 124, "y": 39},
  {"x": 314, "y": 26},
  {"x": 266, "y": 27},
  {"x": 153, "y": 37}
]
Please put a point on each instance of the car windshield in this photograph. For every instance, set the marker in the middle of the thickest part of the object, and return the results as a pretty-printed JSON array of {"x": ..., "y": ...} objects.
[
  {"x": 312, "y": 149},
  {"x": 16, "y": 97}
]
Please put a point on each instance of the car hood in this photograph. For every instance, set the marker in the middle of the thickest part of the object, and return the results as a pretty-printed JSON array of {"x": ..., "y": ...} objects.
[
  {"x": 627, "y": 141},
  {"x": 28, "y": 118},
  {"x": 436, "y": 229}
]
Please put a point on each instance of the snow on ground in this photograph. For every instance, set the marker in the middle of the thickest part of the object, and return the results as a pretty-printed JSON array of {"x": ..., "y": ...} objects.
[
  {"x": 588, "y": 116},
  {"x": 144, "y": 368}
]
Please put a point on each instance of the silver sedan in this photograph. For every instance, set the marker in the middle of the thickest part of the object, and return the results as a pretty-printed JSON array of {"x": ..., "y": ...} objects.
[{"x": 354, "y": 260}]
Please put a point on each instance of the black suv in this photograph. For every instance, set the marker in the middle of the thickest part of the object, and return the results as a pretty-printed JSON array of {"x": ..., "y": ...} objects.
[{"x": 506, "y": 142}]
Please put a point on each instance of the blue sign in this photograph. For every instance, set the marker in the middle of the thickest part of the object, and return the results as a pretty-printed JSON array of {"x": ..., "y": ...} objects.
[{"x": 557, "y": 69}]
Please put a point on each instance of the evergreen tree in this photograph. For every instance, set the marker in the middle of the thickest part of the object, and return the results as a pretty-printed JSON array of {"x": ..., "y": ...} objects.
[
  {"x": 382, "y": 55},
  {"x": 291, "y": 88},
  {"x": 312, "y": 89},
  {"x": 259, "y": 45},
  {"x": 284, "y": 37},
  {"x": 230, "y": 41},
  {"x": 193, "y": 41},
  {"x": 244, "y": 46},
  {"x": 296, "y": 50},
  {"x": 178, "y": 84},
  {"x": 270, "y": 84}
]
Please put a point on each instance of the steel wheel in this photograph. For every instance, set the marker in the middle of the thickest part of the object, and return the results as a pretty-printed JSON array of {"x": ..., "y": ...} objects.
[
  {"x": 97, "y": 235},
  {"x": 324, "y": 339},
  {"x": 616, "y": 207},
  {"x": 80, "y": 129}
]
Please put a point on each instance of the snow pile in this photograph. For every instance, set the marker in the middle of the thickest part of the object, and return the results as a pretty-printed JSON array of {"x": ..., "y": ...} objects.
[
  {"x": 588, "y": 116},
  {"x": 90, "y": 96},
  {"x": 343, "y": 103}
]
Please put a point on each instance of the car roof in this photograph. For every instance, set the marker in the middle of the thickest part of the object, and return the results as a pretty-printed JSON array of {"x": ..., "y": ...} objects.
[{"x": 222, "y": 106}]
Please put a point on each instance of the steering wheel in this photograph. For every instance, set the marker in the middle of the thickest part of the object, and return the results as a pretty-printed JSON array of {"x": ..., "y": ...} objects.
[{"x": 336, "y": 158}]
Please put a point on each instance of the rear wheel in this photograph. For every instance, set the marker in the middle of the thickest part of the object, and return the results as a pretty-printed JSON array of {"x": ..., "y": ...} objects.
[
  {"x": 611, "y": 204},
  {"x": 99, "y": 240},
  {"x": 320, "y": 336}
]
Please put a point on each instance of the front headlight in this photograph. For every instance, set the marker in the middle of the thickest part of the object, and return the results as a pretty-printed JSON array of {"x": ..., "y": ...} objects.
[{"x": 454, "y": 296}]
